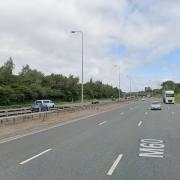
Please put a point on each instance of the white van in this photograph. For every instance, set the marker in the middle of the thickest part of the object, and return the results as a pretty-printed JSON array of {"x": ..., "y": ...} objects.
[{"x": 49, "y": 103}]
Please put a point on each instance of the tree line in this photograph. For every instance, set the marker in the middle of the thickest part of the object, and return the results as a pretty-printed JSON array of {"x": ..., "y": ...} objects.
[
  {"x": 31, "y": 84},
  {"x": 166, "y": 85},
  {"x": 171, "y": 85}
]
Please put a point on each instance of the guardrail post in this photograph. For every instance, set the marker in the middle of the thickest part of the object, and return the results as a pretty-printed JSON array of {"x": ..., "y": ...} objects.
[
  {"x": 25, "y": 111},
  {"x": 43, "y": 117},
  {"x": 14, "y": 119}
]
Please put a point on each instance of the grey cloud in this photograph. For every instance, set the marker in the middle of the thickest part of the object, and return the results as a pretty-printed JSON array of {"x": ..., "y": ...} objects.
[{"x": 37, "y": 33}]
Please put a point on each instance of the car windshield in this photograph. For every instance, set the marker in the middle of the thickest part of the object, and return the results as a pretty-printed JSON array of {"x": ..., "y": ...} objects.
[{"x": 169, "y": 95}]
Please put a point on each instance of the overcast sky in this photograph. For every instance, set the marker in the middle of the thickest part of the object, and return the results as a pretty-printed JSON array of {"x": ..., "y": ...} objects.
[{"x": 141, "y": 36}]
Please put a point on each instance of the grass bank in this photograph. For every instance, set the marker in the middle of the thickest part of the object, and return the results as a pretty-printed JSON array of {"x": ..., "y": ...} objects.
[{"x": 178, "y": 98}]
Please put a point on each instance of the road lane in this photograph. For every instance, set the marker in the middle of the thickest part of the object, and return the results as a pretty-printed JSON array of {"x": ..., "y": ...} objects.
[
  {"x": 86, "y": 151},
  {"x": 87, "y": 155},
  {"x": 160, "y": 157},
  {"x": 14, "y": 151}
]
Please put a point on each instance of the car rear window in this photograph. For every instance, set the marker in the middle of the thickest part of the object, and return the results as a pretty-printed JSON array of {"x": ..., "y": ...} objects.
[{"x": 156, "y": 103}]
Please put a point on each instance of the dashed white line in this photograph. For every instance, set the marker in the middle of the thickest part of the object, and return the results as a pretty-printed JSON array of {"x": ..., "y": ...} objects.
[
  {"x": 146, "y": 113},
  {"x": 102, "y": 123},
  {"x": 113, "y": 167},
  {"x": 30, "y": 159},
  {"x": 122, "y": 113},
  {"x": 173, "y": 113},
  {"x": 139, "y": 124}
]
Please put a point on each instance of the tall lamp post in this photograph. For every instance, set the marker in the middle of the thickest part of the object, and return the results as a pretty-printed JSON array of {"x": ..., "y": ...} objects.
[
  {"x": 82, "y": 70},
  {"x": 129, "y": 85},
  {"x": 119, "y": 76}
]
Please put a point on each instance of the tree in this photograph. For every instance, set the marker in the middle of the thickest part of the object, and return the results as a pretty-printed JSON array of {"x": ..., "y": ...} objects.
[
  {"x": 168, "y": 85},
  {"x": 25, "y": 70},
  {"x": 31, "y": 84},
  {"x": 6, "y": 71}
]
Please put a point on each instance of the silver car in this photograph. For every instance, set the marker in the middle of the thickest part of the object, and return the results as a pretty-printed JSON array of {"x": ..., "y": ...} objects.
[{"x": 156, "y": 105}]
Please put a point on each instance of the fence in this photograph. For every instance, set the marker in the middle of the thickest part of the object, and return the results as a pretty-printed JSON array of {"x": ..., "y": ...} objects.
[{"x": 12, "y": 116}]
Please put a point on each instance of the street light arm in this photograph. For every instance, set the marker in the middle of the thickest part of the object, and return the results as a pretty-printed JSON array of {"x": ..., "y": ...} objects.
[{"x": 76, "y": 32}]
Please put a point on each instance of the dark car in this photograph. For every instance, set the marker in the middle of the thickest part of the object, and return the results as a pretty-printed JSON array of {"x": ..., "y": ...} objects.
[
  {"x": 37, "y": 107},
  {"x": 95, "y": 101}
]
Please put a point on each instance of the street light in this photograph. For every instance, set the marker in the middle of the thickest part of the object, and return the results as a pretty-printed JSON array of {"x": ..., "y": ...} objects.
[
  {"x": 82, "y": 88},
  {"x": 119, "y": 81},
  {"x": 129, "y": 84}
]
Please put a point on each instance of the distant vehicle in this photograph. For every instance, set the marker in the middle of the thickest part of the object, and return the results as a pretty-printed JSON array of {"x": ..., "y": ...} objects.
[
  {"x": 143, "y": 99},
  {"x": 49, "y": 103},
  {"x": 95, "y": 101},
  {"x": 156, "y": 105},
  {"x": 168, "y": 97},
  {"x": 39, "y": 106}
]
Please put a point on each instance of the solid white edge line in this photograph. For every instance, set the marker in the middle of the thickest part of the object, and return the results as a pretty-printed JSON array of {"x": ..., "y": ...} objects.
[
  {"x": 139, "y": 124},
  {"x": 52, "y": 127},
  {"x": 113, "y": 167},
  {"x": 30, "y": 159},
  {"x": 102, "y": 123}
]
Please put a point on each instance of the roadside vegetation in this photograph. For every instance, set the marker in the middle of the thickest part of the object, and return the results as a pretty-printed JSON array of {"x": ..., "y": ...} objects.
[
  {"x": 167, "y": 85},
  {"x": 31, "y": 84},
  {"x": 178, "y": 98}
]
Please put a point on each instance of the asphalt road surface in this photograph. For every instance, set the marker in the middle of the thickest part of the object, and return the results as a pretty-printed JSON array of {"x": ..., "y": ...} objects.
[{"x": 129, "y": 143}]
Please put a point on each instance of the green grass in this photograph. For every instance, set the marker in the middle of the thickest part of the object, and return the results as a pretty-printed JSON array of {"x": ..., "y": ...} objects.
[
  {"x": 157, "y": 96},
  {"x": 178, "y": 98},
  {"x": 60, "y": 102}
]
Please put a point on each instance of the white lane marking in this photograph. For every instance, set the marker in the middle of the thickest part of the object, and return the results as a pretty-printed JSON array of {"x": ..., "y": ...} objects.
[
  {"x": 139, "y": 124},
  {"x": 122, "y": 113},
  {"x": 30, "y": 159},
  {"x": 102, "y": 123},
  {"x": 6, "y": 140},
  {"x": 146, "y": 113},
  {"x": 172, "y": 113},
  {"x": 113, "y": 167}
]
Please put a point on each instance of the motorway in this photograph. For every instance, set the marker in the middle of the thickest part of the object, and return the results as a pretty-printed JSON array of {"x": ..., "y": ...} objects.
[{"x": 128, "y": 143}]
